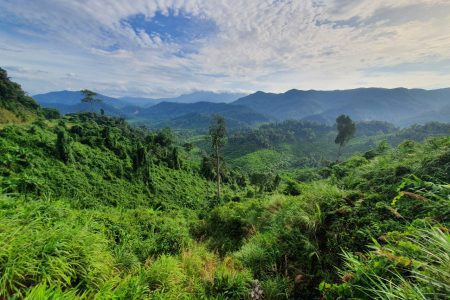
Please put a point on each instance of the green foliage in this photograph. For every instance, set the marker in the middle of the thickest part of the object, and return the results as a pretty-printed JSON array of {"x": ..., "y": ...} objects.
[
  {"x": 229, "y": 282},
  {"x": 97, "y": 209},
  {"x": 346, "y": 129},
  {"x": 107, "y": 253},
  {"x": 62, "y": 146},
  {"x": 229, "y": 224},
  {"x": 293, "y": 188},
  {"x": 53, "y": 249},
  {"x": 408, "y": 265},
  {"x": 15, "y": 105},
  {"x": 102, "y": 247},
  {"x": 265, "y": 181},
  {"x": 262, "y": 161},
  {"x": 98, "y": 160},
  {"x": 51, "y": 113}
]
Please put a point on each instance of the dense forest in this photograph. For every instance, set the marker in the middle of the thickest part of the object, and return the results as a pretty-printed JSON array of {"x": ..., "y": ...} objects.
[{"x": 92, "y": 207}]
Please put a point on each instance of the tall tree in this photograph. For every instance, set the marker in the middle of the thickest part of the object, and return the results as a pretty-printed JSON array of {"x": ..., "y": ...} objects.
[
  {"x": 218, "y": 134},
  {"x": 346, "y": 130},
  {"x": 90, "y": 97}
]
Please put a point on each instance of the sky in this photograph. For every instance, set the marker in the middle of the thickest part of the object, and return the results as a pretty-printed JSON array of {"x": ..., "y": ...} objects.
[{"x": 160, "y": 48}]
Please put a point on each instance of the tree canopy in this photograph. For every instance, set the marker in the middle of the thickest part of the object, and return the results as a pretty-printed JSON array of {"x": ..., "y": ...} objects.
[{"x": 346, "y": 130}]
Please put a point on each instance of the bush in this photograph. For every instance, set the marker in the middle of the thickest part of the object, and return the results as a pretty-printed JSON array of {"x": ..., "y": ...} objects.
[{"x": 230, "y": 282}]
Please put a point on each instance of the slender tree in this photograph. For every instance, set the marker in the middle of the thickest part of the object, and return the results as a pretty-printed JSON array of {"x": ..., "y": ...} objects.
[
  {"x": 346, "y": 130},
  {"x": 90, "y": 97},
  {"x": 218, "y": 133}
]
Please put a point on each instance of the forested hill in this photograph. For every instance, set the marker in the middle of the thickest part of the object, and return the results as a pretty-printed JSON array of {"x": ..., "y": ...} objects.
[
  {"x": 15, "y": 105},
  {"x": 400, "y": 106},
  {"x": 301, "y": 144}
]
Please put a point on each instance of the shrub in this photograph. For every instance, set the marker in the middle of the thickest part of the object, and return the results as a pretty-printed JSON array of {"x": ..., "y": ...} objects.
[{"x": 230, "y": 281}]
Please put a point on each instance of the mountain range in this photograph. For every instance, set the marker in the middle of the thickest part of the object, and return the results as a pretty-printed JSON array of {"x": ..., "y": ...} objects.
[{"x": 399, "y": 106}]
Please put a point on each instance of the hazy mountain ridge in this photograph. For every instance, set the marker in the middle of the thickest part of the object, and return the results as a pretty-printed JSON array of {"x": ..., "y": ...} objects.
[
  {"x": 74, "y": 97},
  {"x": 198, "y": 115},
  {"x": 400, "y": 106},
  {"x": 175, "y": 112},
  {"x": 70, "y": 98}
]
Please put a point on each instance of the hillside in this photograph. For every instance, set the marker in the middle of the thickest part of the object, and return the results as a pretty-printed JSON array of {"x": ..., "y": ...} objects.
[
  {"x": 108, "y": 211},
  {"x": 400, "y": 106},
  {"x": 15, "y": 105}
]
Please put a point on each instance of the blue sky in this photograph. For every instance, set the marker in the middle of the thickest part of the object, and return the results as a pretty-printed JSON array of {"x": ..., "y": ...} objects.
[{"x": 168, "y": 47}]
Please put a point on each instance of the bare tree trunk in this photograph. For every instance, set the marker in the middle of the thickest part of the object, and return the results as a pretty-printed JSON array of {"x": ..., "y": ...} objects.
[
  {"x": 218, "y": 171},
  {"x": 339, "y": 153}
]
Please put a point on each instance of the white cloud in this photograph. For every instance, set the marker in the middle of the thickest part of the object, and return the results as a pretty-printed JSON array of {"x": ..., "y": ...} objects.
[{"x": 267, "y": 45}]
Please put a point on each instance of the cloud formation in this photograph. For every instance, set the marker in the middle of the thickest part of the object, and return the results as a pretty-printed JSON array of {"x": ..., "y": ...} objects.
[{"x": 166, "y": 47}]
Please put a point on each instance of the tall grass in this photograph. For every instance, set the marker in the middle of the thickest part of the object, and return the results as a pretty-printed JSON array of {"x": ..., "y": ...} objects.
[
  {"x": 412, "y": 265},
  {"x": 38, "y": 249}
]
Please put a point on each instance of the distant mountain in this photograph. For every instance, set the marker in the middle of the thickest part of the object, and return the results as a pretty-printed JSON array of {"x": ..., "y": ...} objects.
[
  {"x": 178, "y": 113},
  {"x": 63, "y": 98},
  {"x": 72, "y": 97},
  {"x": 399, "y": 106},
  {"x": 201, "y": 96},
  {"x": 140, "y": 101},
  {"x": 197, "y": 115},
  {"x": 439, "y": 115},
  {"x": 70, "y": 102}
]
